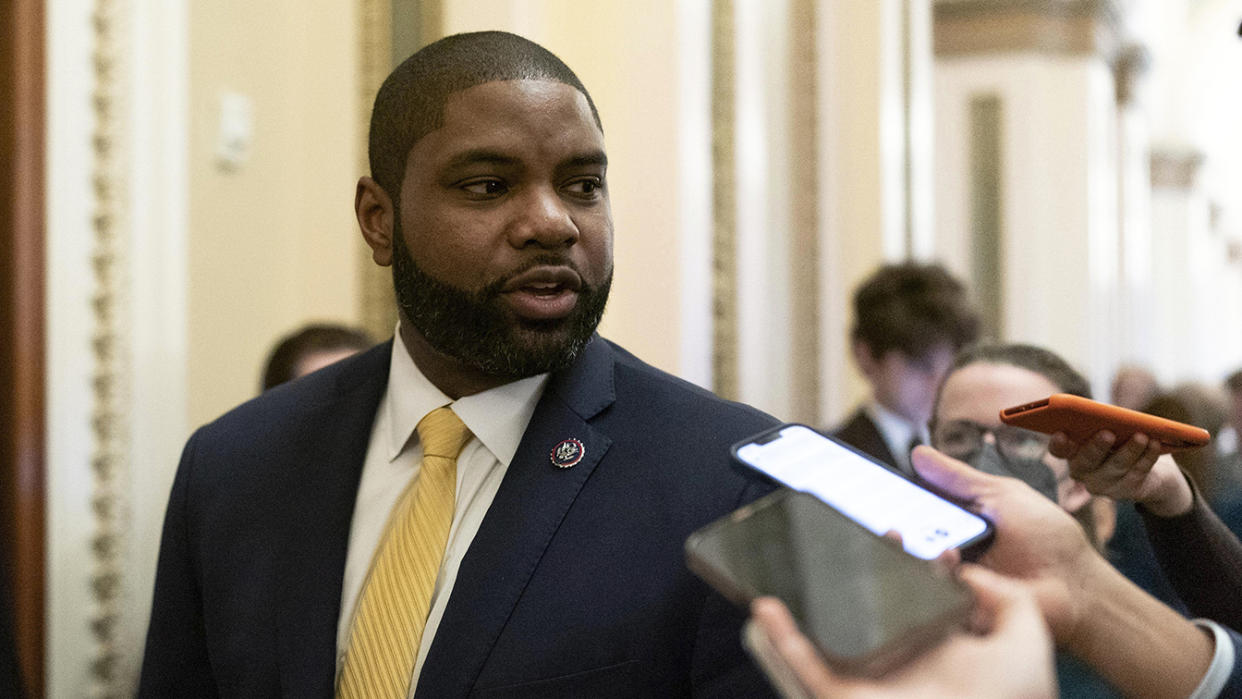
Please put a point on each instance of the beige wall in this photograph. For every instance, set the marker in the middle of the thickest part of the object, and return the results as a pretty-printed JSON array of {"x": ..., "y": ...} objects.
[{"x": 272, "y": 243}]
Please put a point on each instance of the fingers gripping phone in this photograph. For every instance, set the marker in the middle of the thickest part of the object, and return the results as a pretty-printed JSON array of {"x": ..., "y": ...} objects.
[
  {"x": 866, "y": 604},
  {"x": 1080, "y": 418},
  {"x": 865, "y": 490}
]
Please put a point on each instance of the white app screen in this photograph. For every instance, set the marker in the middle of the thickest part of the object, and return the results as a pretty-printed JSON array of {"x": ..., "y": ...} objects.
[{"x": 868, "y": 493}]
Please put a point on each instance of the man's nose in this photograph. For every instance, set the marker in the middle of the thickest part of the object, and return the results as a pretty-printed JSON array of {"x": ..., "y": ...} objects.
[{"x": 543, "y": 219}]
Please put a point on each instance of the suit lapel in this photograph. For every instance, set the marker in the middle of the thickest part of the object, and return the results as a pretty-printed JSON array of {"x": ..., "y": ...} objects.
[
  {"x": 532, "y": 502},
  {"x": 865, "y": 435},
  {"x": 315, "y": 525}
]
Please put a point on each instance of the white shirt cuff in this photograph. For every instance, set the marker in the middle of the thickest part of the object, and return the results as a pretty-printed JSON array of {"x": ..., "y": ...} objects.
[{"x": 1222, "y": 662}]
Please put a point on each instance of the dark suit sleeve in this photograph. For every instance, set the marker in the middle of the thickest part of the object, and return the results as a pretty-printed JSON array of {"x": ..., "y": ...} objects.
[
  {"x": 176, "y": 663},
  {"x": 1202, "y": 560}
]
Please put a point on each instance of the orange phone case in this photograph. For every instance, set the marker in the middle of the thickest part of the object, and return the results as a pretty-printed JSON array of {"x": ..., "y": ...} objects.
[{"x": 1081, "y": 418}]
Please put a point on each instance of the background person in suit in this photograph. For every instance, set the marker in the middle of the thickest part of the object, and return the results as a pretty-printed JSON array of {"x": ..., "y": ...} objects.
[
  {"x": 910, "y": 319},
  {"x": 582, "y": 472},
  {"x": 309, "y": 348}
]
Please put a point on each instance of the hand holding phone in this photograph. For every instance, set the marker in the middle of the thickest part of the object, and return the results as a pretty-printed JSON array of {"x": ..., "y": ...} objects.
[
  {"x": 965, "y": 664},
  {"x": 866, "y": 604},
  {"x": 865, "y": 490},
  {"x": 1081, "y": 418}
]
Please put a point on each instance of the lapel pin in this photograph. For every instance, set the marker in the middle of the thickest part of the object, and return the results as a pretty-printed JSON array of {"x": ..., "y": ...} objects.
[{"x": 568, "y": 453}]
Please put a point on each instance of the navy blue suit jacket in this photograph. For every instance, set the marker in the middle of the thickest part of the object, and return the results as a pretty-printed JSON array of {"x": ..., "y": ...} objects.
[
  {"x": 862, "y": 434},
  {"x": 575, "y": 584}
]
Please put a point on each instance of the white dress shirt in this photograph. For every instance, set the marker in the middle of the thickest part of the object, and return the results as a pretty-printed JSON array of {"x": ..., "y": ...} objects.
[
  {"x": 897, "y": 432},
  {"x": 497, "y": 418}
]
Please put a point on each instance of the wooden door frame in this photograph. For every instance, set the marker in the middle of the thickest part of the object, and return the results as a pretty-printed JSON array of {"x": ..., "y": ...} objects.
[{"x": 22, "y": 313}]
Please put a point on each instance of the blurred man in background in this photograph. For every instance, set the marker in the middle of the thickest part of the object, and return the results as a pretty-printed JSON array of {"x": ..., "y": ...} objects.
[
  {"x": 910, "y": 319},
  {"x": 309, "y": 348}
]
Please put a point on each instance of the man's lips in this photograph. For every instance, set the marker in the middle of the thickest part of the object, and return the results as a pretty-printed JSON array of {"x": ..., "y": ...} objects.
[{"x": 543, "y": 293}]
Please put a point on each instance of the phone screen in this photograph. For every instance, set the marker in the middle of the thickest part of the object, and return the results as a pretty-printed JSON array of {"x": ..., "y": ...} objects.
[
  {"x": 865, "y": 491},
  {"x": 865, "y": 603}
]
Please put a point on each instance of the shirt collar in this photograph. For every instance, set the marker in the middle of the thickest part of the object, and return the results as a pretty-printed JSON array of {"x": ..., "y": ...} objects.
[
  {"x": 497, "y": 417},
  {"x": 896, "y": 430}
]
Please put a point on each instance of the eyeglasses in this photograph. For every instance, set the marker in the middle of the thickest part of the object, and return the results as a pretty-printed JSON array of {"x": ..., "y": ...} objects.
[{"x": 960, "y": 439}]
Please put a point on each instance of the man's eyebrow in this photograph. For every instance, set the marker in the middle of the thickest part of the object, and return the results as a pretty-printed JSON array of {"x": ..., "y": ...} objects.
[
  {"x": 589, "y": 159},
  {"x": 488, "y": 156},
  {"x": 479, "y": 155}
]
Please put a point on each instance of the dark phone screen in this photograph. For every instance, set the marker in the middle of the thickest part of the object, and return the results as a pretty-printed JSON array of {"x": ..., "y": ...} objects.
[{"x": 854, "y": 593}]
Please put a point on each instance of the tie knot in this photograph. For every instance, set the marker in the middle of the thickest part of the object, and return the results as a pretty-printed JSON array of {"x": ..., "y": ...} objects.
[
  {"x": 442, "y": 433},
  {"x": 915, "y": 441}
]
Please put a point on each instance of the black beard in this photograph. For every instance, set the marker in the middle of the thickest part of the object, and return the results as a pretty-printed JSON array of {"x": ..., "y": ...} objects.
[{"x": 476, "y": 330}]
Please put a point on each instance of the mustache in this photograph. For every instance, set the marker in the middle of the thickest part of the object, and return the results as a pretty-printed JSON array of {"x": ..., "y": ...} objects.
[{"x": 545, "y": 259}]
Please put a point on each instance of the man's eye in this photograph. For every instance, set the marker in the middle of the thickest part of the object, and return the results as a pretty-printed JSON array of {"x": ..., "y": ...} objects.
[
  {"x": 586, "y": 186},
  {"x": 485, "y": 187}
]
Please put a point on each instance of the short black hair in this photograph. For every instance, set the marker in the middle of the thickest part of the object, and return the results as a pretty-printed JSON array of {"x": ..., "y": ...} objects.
[
  {"x": 1044, "y": 362},
  {"x": 410, "y": 103},
  {"x": 913, "y": 307},
  {"x": 316, "y": 337}
]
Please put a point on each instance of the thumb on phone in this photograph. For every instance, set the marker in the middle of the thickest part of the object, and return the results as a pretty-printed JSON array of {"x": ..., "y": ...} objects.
[{"x": 950, "y": 475}]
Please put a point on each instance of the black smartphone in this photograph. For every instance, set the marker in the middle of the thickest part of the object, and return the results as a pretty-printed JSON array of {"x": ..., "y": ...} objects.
[
  {"x": 865, "y": 490},
  {"x": 866, "y": 604}
]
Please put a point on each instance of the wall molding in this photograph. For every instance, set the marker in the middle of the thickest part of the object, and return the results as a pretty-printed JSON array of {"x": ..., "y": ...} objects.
[
  {"x": 377, "y": 312},
  {"x": 110, "y": 376},
  {"x": 1129, "y": 67},
  {"x": 725, "y": 380},
  {"x": 805, "y": 225},
  {"x": 1172, "y": 169},
  {"x": 1075, "y": 27}
]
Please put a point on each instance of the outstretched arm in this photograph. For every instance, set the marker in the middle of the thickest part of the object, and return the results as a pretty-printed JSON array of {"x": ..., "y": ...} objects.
[
  {"x": 1199, "y": 555},
  {"x": 1140, "y": 645}
]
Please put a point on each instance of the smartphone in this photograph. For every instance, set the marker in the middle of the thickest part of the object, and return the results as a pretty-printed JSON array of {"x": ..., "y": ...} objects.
[
  {"x": 1081, "y": 418},
  {"x": 866, "y": 604},
  {"x": 865, "y": 490}
]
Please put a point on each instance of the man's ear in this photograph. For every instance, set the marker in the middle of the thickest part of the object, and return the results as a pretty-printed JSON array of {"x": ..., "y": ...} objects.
[
  {"x": 375, "y": 213},
  {"x": 867, "y": 362}
]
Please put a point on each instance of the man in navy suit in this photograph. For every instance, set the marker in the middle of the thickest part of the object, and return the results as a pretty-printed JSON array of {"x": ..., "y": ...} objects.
[
  {"x": 909, "y": 321},
  {"x": 563, "y": 574}
]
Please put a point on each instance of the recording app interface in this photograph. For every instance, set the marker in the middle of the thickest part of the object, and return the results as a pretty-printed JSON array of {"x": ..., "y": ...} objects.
[{"x": 868, "y": 493}]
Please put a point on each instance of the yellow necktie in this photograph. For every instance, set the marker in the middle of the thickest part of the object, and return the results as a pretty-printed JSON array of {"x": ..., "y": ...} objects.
[{"x": 396, "y": 598}]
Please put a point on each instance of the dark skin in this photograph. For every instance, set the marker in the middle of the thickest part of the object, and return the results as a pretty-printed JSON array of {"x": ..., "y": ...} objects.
[
  {"x": 375, "y": 212},
  {"x": 517, "y": 171}
]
